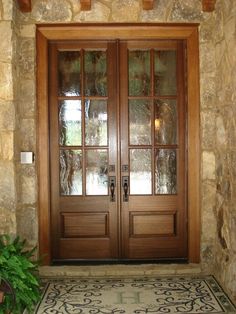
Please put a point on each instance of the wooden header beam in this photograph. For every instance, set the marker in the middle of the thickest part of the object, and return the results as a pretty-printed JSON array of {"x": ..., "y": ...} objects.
[
  {"x": 24, "y": 5},
  {"x": 148, "y": 4},
  {"x": 208, "y": 5},
  {"x": 85, "y": 5}
]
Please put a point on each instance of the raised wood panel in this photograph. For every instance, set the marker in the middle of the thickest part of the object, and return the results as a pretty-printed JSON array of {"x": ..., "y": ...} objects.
[
  {"x": 24, "y": 5},
  {"x": 86, "y": 248},
  {"x": 152, "y": 224},
  {"x": 85, "y": 224}
]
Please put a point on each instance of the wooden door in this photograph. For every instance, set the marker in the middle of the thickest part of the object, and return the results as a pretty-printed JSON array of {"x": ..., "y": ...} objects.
[
  {"x": 153, "y": 150},
  {"x": 83, "y": 153},
  {"x": 117, "y": 150}
]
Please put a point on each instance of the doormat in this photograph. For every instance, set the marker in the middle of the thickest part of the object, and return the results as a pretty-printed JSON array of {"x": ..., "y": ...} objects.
[{"x": 134, "y": 296}]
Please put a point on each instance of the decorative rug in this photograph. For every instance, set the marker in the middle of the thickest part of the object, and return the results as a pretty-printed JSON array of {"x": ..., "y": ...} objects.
[{"x": 134, "y": 296}]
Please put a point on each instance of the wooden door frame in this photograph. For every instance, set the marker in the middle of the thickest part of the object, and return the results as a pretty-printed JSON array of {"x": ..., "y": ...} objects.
[{"x": 139, "y": 31}]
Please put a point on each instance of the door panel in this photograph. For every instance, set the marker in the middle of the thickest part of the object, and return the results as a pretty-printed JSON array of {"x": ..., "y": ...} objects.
[
  {"x": 153, "y": 148},
  {"x": 117, "y": 149},
  {"x": 82, "y": 146}
]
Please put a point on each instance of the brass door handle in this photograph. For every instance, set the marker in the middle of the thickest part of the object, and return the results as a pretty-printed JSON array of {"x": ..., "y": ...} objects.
[
  {"x": 125, "y": 184},
  {"x": 112, "y": 184}
]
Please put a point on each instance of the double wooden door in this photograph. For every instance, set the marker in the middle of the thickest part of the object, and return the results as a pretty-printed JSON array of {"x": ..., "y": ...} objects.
[{"x": 117, "y": 150}]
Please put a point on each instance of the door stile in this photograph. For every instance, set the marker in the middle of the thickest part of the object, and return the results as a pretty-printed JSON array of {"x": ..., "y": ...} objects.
[
  {"x": 124, "y": 161},
  {"x": 54, "y": 165}
]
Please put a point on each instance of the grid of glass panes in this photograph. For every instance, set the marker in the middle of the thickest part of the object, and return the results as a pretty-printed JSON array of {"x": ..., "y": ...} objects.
[
  {"x": 83, "y": 131},
  {"x": 153, "y": 126}
]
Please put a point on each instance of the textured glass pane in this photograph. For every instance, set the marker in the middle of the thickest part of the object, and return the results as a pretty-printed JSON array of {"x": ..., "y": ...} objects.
[
  {"x": 71, "y": 172},
  {"x": 140, "y": 122},
  {"x": 165, "y": 122},
  {"x": 140, "y": 171},
  {"x": 69, "y": 73},
  {"x": 70, "y": 122},
  {"x": 165, "y": 73},
  {"x": 139, "y": 73},
  {"x": 96, "y": 172},
  {"x": 165, "y": 172},
  {"x": 95, "y": 67},
  {"x": 96, "y": 122}
]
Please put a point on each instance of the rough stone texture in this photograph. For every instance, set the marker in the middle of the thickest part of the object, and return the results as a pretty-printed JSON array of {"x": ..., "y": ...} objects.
[
  {"x": 225, "y": 47},
  {"x": 99, "y": 13},
  {"x": 218, "y": 112}
]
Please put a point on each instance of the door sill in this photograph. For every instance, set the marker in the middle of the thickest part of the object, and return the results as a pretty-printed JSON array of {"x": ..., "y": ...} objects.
[{"x": 84, "y": 262}]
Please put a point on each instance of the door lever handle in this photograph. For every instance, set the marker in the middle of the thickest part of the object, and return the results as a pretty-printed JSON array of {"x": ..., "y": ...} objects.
[
  {"x": 112, "y": 184},
  {"x": 125, "y": 184}
]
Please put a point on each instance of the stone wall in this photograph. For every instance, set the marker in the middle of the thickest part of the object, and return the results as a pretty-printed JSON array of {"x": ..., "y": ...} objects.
[
  {"x": 217, "y": 63},
  {"x": 8, "y": 195},
  {"x": 225, "y": 152}
]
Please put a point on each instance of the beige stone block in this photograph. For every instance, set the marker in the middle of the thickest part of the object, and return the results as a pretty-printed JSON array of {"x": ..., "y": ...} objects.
[
  {"x": 7, "y": 9},
  {"x": 207, "y": 58},
  {"x": 28, "y": 30},
  {"x": 8, "y": 221},
  {"x": 98, "y": 13},
  {"x": 76, "y": 6},
  {"x": 26, "y": 96},
  {"x": 221, "y": 135},
  {"x": 6, "y": 145},
  {"x": 126, "y": 10},
  {"x": 26, "y": 58},
  {"x": 51, "y": 11},
  {"x": 7, "y": 186},
  {"x": 6, "y": 41},
  {"x": 186, "y": 10},
  {"x": 7, "y": 116},
  {"x": 6, "y": 81},
  {"x": 208, "y": 128},
  {"x": 159, "y": 13},
  {"x": 27, "y": 227},
  {"x": 208, "y": 91},
  {"x": 28, "y": 189},
  {"x": 27, "y": 135},
  {"x": 208, "y": 165}
]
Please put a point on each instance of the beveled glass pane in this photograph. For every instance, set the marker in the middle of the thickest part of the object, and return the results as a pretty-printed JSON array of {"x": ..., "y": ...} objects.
[
  {"x": 69, "y": 78},
  {"x": 165, "y": 122},
  {"x": 96, "y": 122},
  {"x": 165, "y": 72},
  {"x": 71, "y": 172},
  {"x": 70, "y": 123},
  {"x": 139, "y": 73},
  {"x": 140, "y": 171},
  {"x": 140, "y": 122},
  {"x": 165, "y": 171},
  {"x": 95, "y": 67},
  {"x": 96, "y": 172}
]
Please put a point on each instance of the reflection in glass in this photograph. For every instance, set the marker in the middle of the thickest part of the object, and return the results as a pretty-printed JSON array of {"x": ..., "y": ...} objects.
[
  {"x": 96, "y": 122},
  {"x": 165, "y": 171},
  {"x": 165, "y": 122},
  {"x": 70, "y": 122},
  {"x": 165, "y": 73},
  {"x": 69, "y": 73},
  {"x": 139, "y": 73},
  {"x": 140, "y": 122},
  {"x": 70, "y": 172},
  {"x": 140, "y": 171},
  {"x": 95, "y": 67},
  {"x": 96, "y": 172}
]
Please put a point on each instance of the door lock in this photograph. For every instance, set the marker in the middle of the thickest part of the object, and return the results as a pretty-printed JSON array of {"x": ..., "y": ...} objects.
[{"x": 125, "y": 184}]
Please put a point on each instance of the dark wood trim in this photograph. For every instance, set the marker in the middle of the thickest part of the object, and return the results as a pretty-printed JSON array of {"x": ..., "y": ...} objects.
[
  {"x": 187, "y": 32},
  {"x": 24, "y": 5},
  {"x": 208, "y": 5},
  {"x": 85, "y": 5},
  {"x": 148, "y": 4}
]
